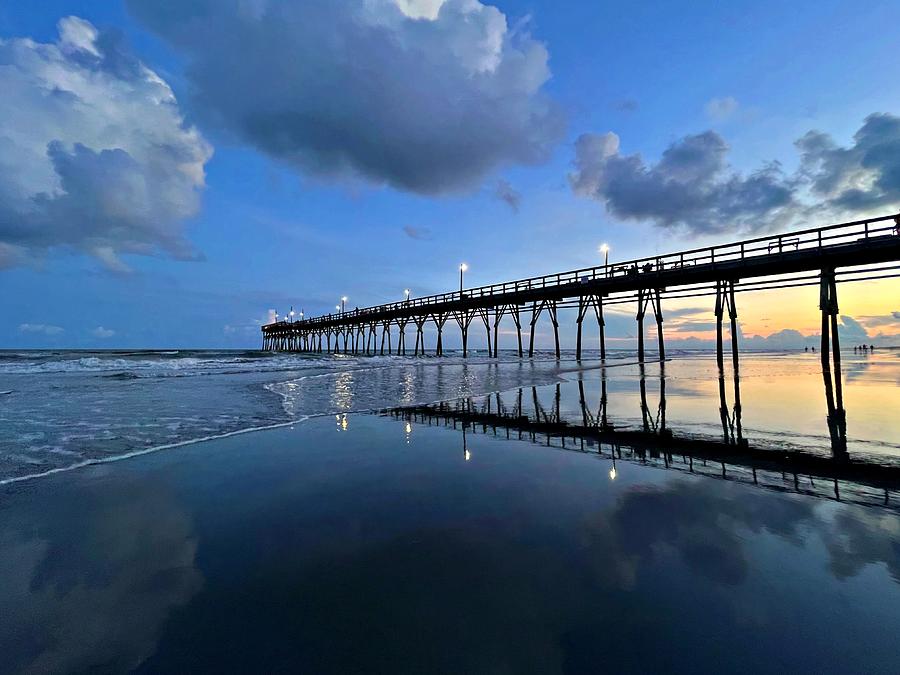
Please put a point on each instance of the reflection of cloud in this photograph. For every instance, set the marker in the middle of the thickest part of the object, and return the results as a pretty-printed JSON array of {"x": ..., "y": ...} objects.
[
  {"x": 701, "y": 526},
  {"x": 96, "y": 594},
  {"x": 707, "y": 526},
  {"x": 859, "y": 538}
]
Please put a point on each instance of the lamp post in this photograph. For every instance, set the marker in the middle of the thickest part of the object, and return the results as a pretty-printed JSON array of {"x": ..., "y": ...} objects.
[
  {"x": 292, "y": 314},
  {"x": 406, "y": 291},
  {"x": 604, "y": 249},
  {"x": 343, "y": 302},
  {"x": 462, "y": 268}
]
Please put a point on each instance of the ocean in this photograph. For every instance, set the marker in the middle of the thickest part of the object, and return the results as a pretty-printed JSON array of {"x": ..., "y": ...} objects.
[{"x": 60, "y": 410}]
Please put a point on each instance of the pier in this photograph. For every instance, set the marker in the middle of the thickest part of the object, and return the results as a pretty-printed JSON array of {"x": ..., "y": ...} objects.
[{"x": 826, "y": 256}]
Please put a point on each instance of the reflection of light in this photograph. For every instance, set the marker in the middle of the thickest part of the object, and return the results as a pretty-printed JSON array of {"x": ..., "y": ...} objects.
[
  {"x": 408, "y": 428},
  {"x": 612, "y": 473},
  {"x": 468, "y": 455},
  {"x": 342, "y": 421}
]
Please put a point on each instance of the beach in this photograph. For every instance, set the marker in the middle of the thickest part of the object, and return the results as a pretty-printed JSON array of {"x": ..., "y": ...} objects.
[{"x": 362, "y": 541}]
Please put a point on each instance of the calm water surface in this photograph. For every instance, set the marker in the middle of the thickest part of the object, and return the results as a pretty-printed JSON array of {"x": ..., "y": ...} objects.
[{"x": 364, "y": 545}]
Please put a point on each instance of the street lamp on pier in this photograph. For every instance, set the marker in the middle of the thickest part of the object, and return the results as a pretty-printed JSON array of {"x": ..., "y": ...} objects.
[
  {"x": 604, "y": 249},
  {"x": 343, "y": 302},
  {"x": 406, "y": 291},
  {"x": 462, "y": 268}
]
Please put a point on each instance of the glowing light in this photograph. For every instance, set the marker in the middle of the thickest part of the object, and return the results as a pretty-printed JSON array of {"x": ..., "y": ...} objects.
[
  {"x": 343, "y": 298},
  {"x": 612, "y": 473},
  {"x": 408, "y": 428},
  {"x": 468, "y": 455},
  {"x": 603, "y": 248},
  {"x": 337, "y": 306},
  {"x": 463, "y": 267},
  {"x": 407, "y": 292}
]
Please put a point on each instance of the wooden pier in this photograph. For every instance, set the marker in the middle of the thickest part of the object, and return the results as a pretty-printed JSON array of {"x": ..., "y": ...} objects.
[{"x": 825, "y": 256}]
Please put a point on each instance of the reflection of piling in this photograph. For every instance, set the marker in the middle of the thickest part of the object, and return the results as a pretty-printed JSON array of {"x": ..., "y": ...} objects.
[{"x": 834, "y": 399}]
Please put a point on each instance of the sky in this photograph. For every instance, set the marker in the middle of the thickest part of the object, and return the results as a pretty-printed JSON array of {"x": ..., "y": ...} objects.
[{"x": 173, "y": 171}]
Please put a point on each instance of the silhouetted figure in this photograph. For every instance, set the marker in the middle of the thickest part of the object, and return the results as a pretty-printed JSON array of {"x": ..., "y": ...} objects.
[{"x": 806, "y": 349}]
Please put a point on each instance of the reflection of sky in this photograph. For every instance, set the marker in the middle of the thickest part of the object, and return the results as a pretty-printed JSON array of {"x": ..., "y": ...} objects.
[
  {"x": 382, "y": 550},
  {"x": 98, "y": 593}
]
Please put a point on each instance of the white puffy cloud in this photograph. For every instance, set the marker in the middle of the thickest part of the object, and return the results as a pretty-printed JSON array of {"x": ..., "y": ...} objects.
[
  {"x": 720, "y": 109},
  {"x": 427, "y": 96},
  {"x": 102, "y": 333},
  {"x": 43, "y": 328},
  {"x": 94, "y": 152}
]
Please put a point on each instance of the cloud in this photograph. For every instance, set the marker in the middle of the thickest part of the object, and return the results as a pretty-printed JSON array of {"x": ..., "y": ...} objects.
[
  {"x": 102, "y": 333},
  {"x": 46, "y": 329},
  {"x": 861, "y": 177},
  {"x": 94, "y": 153},
  {"x": 627, "y": 105},
  {"x": 880, "y": 320},
  {"x": 720, "y": 109},
  {"x": 507, "y": 193},
  {"x": 689, "y": 187},
  {"x": 420, "y": 233},
  {"x": 692, "y": 188},
  {"x": 424, "y": 96}
]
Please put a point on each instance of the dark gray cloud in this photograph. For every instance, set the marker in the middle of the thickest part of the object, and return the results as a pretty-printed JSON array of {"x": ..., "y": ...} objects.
[
  {"x": 420, "y": 233},
  {"x": 858, "y": 178},
  {"x": 628, "y": 105},
  {"x": 100, "y": 160},
  {"x": 691, "y": 187},
  {"x": 505, "y": 192},
  {"x": 422, "y": 95}
]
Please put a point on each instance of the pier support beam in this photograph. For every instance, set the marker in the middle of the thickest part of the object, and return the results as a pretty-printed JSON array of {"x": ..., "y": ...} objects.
[
  {"x": 657, "y": 311},
  {"x": 498, "y": 314},
  {"x": 420, "y": 336},
  {"x": 439, "y": 321},
  {"x": 642, "y": 309},
  {"x": 514, "y": 312},
  {"x": 536, "y": 309},
  {"x": 486, "y": 317},
  {"x": 464, "y": 319},
  {"x": 583, "y": 303},
  {"x": 551, "y": 309},
  {"x": 401, "y": 341},
  {"x": 834, "y": 397}
]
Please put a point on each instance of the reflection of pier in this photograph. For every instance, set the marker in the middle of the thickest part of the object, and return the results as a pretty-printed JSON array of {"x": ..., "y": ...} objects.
[{"x": 731, "y": 458}]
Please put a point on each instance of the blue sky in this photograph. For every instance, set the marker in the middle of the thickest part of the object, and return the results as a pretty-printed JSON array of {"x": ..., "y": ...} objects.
[{"x": 276, "y": 224}]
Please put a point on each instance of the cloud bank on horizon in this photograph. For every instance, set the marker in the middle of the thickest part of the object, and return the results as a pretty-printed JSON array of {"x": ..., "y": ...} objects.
[
  {"x": 94, "y": 154},
  {"x": 692, "y": 187}
]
